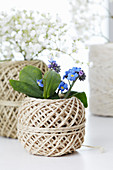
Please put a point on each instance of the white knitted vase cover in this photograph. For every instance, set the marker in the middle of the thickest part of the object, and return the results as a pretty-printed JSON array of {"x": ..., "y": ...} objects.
[
  {"x": 10, "y": 99},
  {"x": 51, "y": 127},
  {"x": 101, "y": 80}
]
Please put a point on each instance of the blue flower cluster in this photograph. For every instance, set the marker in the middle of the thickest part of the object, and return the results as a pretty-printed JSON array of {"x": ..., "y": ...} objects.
[
  {"x": 74, "y": 73},
  {"x": 53, "y": 65}
]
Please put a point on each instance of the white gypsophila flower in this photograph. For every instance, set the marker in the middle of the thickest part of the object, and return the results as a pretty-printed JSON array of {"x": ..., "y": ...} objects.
[
  {"x": 89, "y": 17},
  {"x": 32, "y": 34}
]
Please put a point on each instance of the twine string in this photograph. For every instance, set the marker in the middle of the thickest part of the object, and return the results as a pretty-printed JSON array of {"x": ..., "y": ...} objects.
[
  {"x": 100, "y": 148},
  {"x": 52, "y": 131},
  {"x": 10, "y": 103},
  {"x": 57, "y": 133}
]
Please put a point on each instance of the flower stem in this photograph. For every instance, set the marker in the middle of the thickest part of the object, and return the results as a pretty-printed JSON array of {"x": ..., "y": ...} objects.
[{"x": 68, "y": 93}]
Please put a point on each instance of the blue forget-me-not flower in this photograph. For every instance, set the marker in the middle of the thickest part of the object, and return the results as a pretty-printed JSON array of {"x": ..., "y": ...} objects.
[
  {"x": 39, "y": 82},
  {"x": 62, "y": 86}
]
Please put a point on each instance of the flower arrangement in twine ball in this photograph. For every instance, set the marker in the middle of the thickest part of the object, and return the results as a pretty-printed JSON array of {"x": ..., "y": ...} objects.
[
  {"x": 26, "y": 35},
  {"x": 52, "y": 121},
  {"x": 50, "y": 86}
]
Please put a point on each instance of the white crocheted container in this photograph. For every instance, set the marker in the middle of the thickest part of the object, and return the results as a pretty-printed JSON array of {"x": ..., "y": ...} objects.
[
  {"x": 10, "y": 99},
  {"x": 101, "y": 80},
  {"x": 51, "y": 127}
]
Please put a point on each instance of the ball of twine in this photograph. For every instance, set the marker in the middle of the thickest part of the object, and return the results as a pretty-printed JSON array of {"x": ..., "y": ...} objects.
[
  {"x": 51, "y": 127},
  {"x": 10, "y": 100},
  {"x": 101, "y": 80}
]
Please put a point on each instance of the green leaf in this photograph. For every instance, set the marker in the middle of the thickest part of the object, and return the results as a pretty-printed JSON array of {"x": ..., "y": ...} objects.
[
  {"x": 26, "y": 88},
  {"x": 30, "y": 74},
  {"x": 51, "y": 81},
  {"x": 81, "y": 96}
]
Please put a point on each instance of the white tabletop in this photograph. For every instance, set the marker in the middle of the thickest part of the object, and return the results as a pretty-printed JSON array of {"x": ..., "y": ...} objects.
[{"x": 99, "y": 132}]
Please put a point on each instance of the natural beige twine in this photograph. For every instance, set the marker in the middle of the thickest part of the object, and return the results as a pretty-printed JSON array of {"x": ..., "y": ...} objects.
[
  {"x": 101, "y": 80},
  {"x": 51, "y": 127},
  {"x": 10, "y": 100}
]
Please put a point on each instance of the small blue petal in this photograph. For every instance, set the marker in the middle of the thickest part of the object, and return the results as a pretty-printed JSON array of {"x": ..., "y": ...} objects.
[
  {"x": 66, "y": 73},
  {"x": 72, "y": 76},
  {"x": 52, "y": 61},
  {"x": 75, "y": 69}
]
